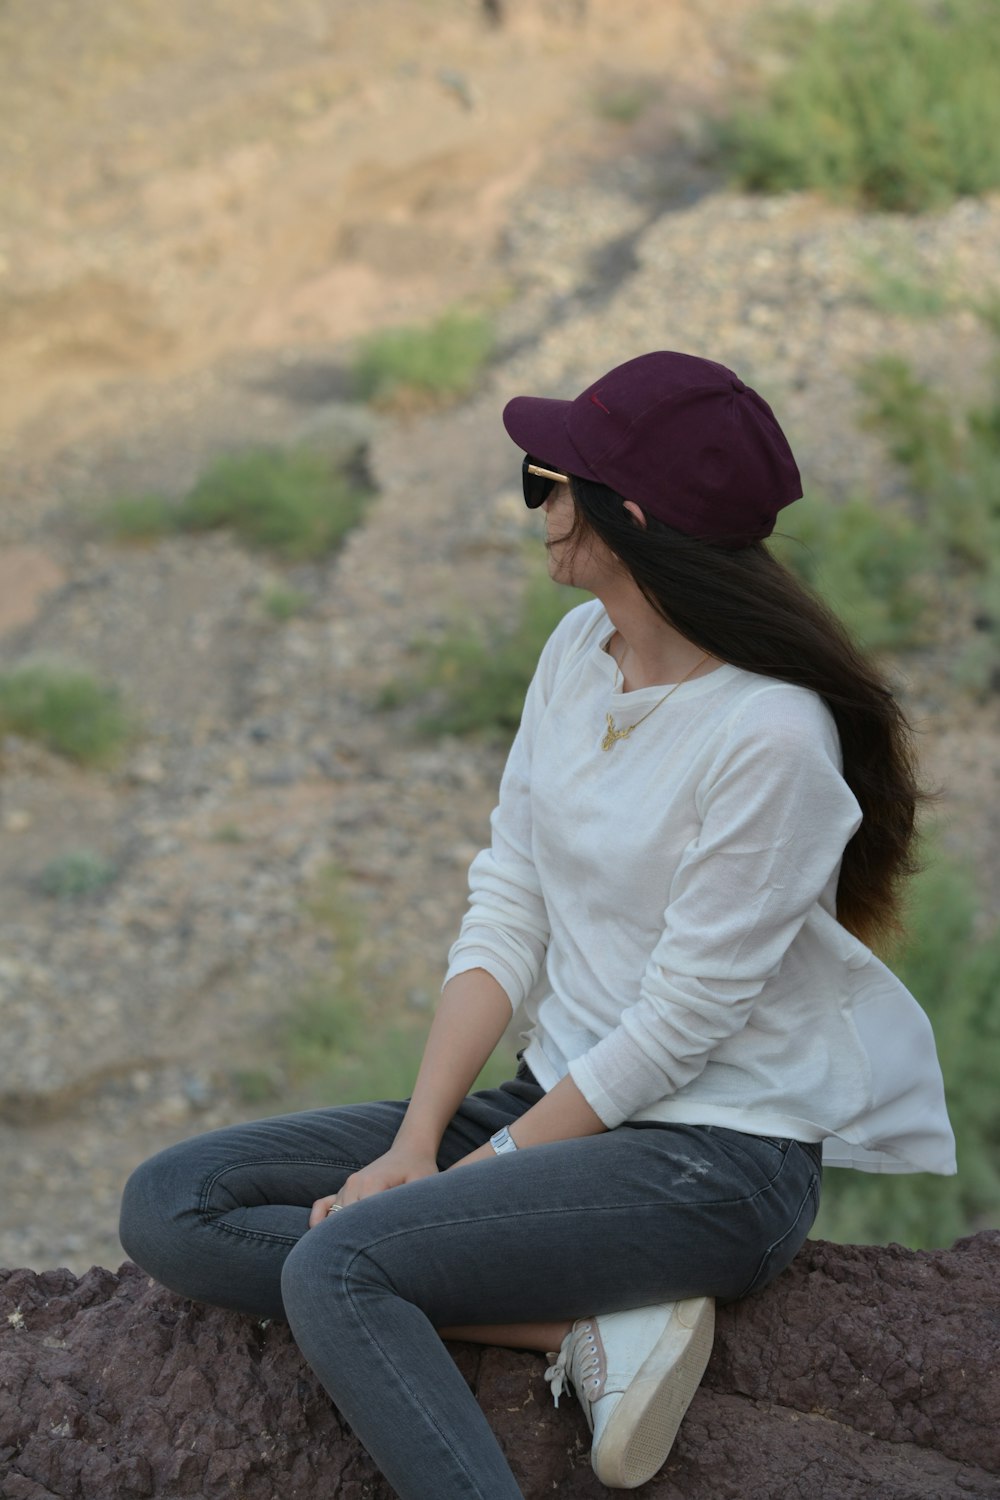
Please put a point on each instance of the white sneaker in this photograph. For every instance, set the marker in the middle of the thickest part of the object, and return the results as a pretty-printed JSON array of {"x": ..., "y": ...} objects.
[{"x": 635, "y": 1374}]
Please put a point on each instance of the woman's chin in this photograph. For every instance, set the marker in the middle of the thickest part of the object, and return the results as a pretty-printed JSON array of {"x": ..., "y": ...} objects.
[{"x": 559, "y": 568}]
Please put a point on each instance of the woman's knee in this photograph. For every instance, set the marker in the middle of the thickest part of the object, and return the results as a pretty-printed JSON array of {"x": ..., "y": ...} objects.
[
  {"x": 324, "y": 1271},
  {"x": 152, "y": 1200},
  {"x": 313, "y": 1261}
]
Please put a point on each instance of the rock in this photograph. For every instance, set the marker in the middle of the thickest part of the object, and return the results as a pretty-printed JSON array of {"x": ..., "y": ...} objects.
[
  {"x": 863, "y": 1372},
  {"x": 342, "y": 430},
  {"x": 145, "y": 770}
]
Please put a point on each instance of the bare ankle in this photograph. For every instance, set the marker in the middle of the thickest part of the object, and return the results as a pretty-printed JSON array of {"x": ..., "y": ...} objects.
[{"x": 542, "y": 1337}]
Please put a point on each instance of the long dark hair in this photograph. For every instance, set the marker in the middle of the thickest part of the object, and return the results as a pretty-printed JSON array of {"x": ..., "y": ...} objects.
[{"x": 747, "y": 608}]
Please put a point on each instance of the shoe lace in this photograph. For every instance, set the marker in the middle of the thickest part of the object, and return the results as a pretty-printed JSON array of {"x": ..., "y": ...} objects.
[{"x": 577, "y": 1364}]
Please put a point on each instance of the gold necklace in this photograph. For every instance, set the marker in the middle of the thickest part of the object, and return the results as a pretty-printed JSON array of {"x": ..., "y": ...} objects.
[{"x": 615, "y": 734}]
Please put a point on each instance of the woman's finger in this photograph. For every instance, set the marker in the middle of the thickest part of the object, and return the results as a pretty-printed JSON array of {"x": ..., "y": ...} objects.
[{"x": 322, "y": 1209}]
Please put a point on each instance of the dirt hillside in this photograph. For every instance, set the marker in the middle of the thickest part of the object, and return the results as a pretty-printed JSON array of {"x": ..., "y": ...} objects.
[{"x": 186, "y": 181}]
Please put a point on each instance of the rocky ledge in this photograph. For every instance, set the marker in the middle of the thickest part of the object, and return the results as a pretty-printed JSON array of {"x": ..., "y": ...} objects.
[{"x": 863, "y": 1372}]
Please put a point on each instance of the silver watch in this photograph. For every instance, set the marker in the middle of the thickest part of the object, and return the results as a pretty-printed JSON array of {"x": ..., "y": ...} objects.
[{"x": 503, "y": 1141}]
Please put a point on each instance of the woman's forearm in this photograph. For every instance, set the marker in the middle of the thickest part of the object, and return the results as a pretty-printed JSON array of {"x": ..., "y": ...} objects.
[
  {"x": 471, "y": 1017},
  {"x": 562, "y": 1114}
]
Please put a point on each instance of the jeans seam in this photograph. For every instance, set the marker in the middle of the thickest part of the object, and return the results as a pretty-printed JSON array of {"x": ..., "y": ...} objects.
[
  {"x": 266, "y": 1161},
  {"x": 812, "y": 1188},
  {"x": 215, "y": 1221},
  {"x": 250, "y": 1234}
]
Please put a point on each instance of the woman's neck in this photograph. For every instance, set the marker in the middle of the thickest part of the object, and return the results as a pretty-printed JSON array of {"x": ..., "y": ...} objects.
[{"x": 648, "y": 650}]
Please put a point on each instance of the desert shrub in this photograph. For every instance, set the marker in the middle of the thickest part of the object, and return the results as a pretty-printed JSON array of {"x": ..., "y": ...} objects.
[
  {"x": 338, "y": 1043},
  {"x": 977, "y": 667},
  {"x": 66, "y": 709},
  {"x": 625, "y": 100},
  {"x": 338, "y": 1053},
  {"x": 952, "y": 460},
  {"x": 134, "y": 518},
  {"x": 955, "y": 974},
  {"x": 475, "y": 678},
  {"x": 914, "y": 419},
  {"x": 258, "y": 1085},
  {"x": 281, "y": 602},
  {"x": 80, "y": 873},
  {"x": 229, "y": 833},
  {"x": 866, "y": 561},
  {"x": 424, "y": 366},
  {"x": 903, "y": 290},
  {"x": 294, "y": 502},
  {"x": 891, "y": 103}
]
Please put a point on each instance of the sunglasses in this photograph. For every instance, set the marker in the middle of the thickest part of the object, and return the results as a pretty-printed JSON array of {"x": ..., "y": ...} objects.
[{"x": 537, "y": 481}]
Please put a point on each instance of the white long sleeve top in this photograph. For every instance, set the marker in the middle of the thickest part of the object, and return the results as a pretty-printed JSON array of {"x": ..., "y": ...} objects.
[{"x": 663, "y": 915}]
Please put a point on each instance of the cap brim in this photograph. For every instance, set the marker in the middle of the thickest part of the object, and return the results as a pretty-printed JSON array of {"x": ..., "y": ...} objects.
[{"x": 537, "y": 424}]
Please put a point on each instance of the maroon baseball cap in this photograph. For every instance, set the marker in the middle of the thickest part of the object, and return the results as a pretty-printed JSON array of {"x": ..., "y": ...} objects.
[{"x": 681, "y": 436}]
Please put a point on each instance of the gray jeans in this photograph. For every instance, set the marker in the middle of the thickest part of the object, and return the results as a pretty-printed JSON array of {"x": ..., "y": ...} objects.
[{"x": 641, "y": 1214}]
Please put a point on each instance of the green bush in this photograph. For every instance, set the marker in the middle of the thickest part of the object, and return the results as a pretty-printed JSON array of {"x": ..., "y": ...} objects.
[
  {"x": 625, "y": 101},
  {"x": 952, "y": 460},
  {"x": 477, "y": 676},
  {"x": 428, "y": 366},
  {"x": 282, "y": 603},
  {"x": 866, "y": 562},
  {"x": 330, "y": 1046},
  {"x": 978, "y": 665},
  {"x": 295, "y": 502},
  {"x": 66, "y": 709},
  {"x": 956, "y": 977},
  {"x": 258, "y": 1086},
  {"x": 916, "y": 422},
  {"x": 134, "y": 518},
  {"x": 338, "y": 1053},
  {"x": 891, "y": 103},
  {"x": 903, "y": 291},
  {"x": 77, "y": 874},
  {"x": 229, "y": 833}
]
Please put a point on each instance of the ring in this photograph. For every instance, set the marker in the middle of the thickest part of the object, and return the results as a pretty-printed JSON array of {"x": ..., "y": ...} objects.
[{"x": 335, "y": 1208}]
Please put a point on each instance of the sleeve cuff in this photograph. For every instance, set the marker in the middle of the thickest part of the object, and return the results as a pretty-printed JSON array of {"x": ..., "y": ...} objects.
[
  {"x": 600, "y": 1101},
  {"x": 495, "y": 967}
]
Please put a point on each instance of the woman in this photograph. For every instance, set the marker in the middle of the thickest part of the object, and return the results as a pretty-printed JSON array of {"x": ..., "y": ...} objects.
[{"x": 703, "y": 820}]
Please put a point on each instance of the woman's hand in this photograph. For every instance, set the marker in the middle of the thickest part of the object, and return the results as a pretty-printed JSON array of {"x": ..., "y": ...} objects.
[{"x": 391, "y": 1170}]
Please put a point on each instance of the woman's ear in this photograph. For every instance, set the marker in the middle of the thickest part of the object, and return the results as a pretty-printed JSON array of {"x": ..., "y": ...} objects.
[{"x": 636, "y": 513}]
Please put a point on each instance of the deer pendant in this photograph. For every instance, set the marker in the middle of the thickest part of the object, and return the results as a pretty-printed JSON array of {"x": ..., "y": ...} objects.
[{"x": 613, "y": 735}]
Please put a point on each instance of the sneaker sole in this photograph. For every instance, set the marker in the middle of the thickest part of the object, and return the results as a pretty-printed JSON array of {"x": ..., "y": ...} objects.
[{"x": 641, "y": 1431}]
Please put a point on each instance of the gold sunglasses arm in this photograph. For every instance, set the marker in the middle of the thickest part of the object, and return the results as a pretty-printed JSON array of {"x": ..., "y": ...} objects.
[{"x": 548, "y": 473}]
